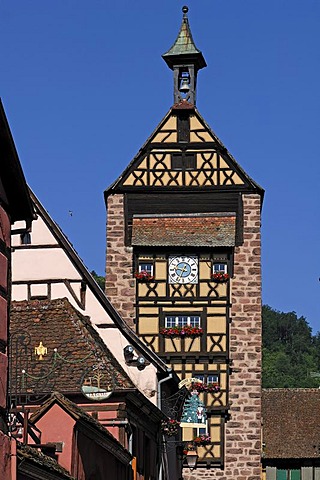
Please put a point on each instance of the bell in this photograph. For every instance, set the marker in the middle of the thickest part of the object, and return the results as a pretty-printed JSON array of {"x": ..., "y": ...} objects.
[{"x": 184, "y": 85}]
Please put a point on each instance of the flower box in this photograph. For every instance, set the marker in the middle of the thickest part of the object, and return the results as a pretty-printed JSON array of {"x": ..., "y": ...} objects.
[
  {"x": 220, "y": 277},
  {"x": 202, "y": 440},
  {"x": 144, "y": 276},
  {"x": 186, "y": 331},
  {"x": 205, "y": 387},
  {"x": 170, "y": 427}
]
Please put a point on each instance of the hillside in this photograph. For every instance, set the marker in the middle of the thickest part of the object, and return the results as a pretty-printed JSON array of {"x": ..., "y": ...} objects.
[{"x": 291, "y": 354}]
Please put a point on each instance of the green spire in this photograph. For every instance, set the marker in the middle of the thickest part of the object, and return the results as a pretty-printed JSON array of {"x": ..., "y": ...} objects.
[{"x": 184, "y": 50}]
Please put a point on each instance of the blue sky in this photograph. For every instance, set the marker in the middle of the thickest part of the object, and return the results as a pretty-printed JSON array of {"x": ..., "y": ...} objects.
[{"x": 84, "y": 85}]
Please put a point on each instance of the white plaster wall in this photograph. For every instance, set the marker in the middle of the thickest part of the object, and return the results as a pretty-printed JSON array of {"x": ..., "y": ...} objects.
[
  {"x": 97, "y": 312},
  {"x": 19, "y": 292},
  {"x": 40, "y": 234},
  {"x": 41, "y": 264},
  {"x": 145, "y": 380}
]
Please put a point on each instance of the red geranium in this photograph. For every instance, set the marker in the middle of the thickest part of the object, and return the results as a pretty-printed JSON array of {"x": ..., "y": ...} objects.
[
  {"x": 170, "y": 427},
  {"x": 220, "y": 277},
  {"x": 186, "y": 331},
  {"x": 144, "y": 276},
  {"x": 202, "y": 440},
  {"x": 205, "y": 387}
]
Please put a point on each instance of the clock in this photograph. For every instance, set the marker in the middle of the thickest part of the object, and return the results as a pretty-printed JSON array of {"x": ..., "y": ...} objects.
[{"x": 183, "y": 269}]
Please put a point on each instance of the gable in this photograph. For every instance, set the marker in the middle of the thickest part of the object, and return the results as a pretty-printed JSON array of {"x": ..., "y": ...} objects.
[{"x": 183, "y": 152}]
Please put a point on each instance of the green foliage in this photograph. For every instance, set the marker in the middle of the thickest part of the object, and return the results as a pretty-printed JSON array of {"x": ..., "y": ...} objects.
[
  {"x": 100, "y": 280},
  {"x": 290, "y": 351}
]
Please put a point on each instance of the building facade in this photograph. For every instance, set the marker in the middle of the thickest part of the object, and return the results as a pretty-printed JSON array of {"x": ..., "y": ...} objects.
[
  {"x": 184, "y": 270},
  {"x": 15, "y": 204}
]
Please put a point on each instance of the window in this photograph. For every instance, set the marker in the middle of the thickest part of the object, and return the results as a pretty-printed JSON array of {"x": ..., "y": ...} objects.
[
  {"x": 183, "y": 161},
  {"x": 201, "y": 431},
  {"x": 25, "y": 238},
  {"x": 146, "y": 267},
  {"x": 211, "y": 378},
  {"x": 220, "y": 268},
  {"x": 182, "y": 320},
  {"x": 288, "y": 474}
]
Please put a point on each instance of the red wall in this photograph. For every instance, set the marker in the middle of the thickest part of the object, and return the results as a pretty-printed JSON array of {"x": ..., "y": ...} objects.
[
  {"x": 83, "y": 457},
  {"x": 57, "y": 426},
  {"x": 5, "y": 242}
]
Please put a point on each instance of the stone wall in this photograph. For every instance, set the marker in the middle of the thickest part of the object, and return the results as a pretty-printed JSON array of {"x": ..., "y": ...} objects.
[
  {"x": 120, "y": 284},
  {"x": 243, "y": 430}
]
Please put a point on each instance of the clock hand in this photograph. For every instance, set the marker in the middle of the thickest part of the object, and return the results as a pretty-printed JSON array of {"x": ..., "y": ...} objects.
[{"x": 183, "y": 269}]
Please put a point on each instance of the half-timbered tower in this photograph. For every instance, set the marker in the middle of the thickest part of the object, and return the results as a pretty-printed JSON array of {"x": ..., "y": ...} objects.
[{"x": 183, "y": 269}]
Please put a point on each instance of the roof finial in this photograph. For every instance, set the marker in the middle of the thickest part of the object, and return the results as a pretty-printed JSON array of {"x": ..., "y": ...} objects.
[{"x": 185, "y": 10}]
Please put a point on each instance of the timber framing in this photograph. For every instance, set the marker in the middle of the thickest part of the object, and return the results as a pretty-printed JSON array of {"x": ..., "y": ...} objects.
[{"x": 249, "y": 185}]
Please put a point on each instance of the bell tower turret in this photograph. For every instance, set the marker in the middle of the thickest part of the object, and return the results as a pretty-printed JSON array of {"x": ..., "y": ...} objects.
[{"x": 185, "y": 60}]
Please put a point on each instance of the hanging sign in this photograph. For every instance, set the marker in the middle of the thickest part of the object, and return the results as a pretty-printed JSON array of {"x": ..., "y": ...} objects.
[{"x": 96, "y": 385}]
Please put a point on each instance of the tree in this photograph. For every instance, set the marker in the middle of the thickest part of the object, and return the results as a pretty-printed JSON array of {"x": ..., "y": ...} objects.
[
  {"x": 290, "y": 352},
  {"x": 99, "y": 279}
]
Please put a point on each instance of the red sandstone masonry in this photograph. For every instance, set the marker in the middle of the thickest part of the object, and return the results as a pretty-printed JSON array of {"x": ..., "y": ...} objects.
[
  {"x": 120, "y": 284},
  {"x": 245, "y": 340}
]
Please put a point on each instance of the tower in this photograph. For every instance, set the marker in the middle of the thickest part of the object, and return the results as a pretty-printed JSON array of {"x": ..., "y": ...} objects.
[{"x": 183, "y": 269}]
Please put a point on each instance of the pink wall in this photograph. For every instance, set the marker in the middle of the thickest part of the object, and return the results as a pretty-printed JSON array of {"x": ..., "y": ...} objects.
[
  {"x": 57, "y": 426},
  {"x": 5, "y": 459},
  {"x": 82, "y": 457}
]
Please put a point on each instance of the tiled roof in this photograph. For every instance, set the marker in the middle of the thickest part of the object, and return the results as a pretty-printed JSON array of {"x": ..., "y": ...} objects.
[
  {"x": 185, "y": 230},
  {"x": 59, "y": 326},
  {"x": 291, "y": 423},
  {"x": 45, "y": 463},
  {"x": 183, "y": 105}
]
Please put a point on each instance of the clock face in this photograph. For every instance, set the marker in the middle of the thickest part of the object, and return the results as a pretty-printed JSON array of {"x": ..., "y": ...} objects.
[{"x": 183, "y": 269}]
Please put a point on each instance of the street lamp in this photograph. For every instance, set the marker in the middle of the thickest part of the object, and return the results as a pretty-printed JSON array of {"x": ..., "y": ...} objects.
[{"x": 192, "y": 458}]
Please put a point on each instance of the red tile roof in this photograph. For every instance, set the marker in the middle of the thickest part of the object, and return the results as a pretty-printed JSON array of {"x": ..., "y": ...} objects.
[
  {"x": 291, "y": 423},
  {"x": 184, "y": 230},
  {"x": 184, "y": 105}
]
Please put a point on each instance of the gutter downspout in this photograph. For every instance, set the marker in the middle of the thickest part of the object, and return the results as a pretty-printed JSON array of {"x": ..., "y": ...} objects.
[{"x": 159, "y": 405}]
